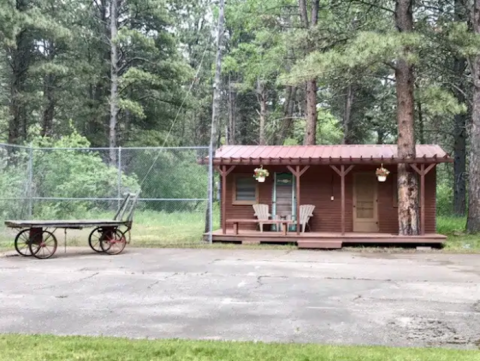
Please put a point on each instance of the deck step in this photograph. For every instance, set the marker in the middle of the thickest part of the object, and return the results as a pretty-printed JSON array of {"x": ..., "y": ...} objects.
[{"x": 320, "y": 243}]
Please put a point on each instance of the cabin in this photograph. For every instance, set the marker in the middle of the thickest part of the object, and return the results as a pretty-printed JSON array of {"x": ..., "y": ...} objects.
[{"x": 337, "y": 190}]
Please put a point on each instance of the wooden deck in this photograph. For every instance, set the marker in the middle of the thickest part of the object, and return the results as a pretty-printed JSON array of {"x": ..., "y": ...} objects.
[{"x": 325, "y": 239}]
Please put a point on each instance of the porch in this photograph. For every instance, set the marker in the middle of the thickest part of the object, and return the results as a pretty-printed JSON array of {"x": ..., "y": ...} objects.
[{"x": 324, "y": 240}]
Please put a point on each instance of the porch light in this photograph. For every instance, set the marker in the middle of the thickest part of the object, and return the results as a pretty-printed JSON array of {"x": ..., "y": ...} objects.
[
  {"x": 382, "y": 173},
  {"x": 261, "y": 174}
]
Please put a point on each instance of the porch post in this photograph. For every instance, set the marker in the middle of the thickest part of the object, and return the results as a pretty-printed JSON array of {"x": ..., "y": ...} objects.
[
  {"x": 298, "y": 173},
  {"x": 342, "y": 172},
  {"x": 342, "y": 177},
  {"x": 224, "y": 172},
  {"x": 422, "y": 199},
  {"x": 422, "y": 172},
  {"x": 224, "y": 196}
]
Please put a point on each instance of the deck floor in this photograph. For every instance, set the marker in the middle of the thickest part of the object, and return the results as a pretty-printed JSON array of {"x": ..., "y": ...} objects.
[{"x": 249, "y": 236}]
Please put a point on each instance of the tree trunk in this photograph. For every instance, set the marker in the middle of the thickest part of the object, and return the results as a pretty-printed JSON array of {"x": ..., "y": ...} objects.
[
  {"x": 407, "y": 180},
  {"x": 311, "y": 85},
  {"x": 421, "y": 125},
  {"x": 96, "y": 127},
  {"x": 311, "y": 129},
  {"x": 231, "y": 114},
  {"x": 20, "y": 60},
  {"x": 460, "y": 146},
  {"x": 473, "y": 219},
  {"x": 49, "y": 99},
  {"x": 112, "y": 134},
  {"x": 262, "y": 100},
  {"x": 460, "y": 122},
  {"x": 217, "y": 83},
  {"x": 302, "y": 4},
  {"x": 380, "y": 136},
  {"x": 49, "y": 109},
  {"x": 347, "y": 132},
  {"x": 287, "y": 121}
]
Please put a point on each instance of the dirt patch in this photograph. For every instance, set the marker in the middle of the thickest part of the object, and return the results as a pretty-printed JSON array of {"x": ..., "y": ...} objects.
[{"x": 429, "y": 331}]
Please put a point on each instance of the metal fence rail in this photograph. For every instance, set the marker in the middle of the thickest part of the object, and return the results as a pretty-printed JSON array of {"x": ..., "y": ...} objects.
[{"x": 176, "y": 196}]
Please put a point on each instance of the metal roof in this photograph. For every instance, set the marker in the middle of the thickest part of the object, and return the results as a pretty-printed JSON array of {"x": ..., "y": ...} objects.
[{"x": 325, "y": 154}]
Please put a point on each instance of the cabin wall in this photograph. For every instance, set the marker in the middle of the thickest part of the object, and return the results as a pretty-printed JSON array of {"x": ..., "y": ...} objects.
[{"x": 317, "y": 186}]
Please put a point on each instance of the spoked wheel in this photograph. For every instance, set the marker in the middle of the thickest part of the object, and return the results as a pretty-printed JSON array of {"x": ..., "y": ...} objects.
[
  {"x": 95, "y": 239},
  {"x": 43, "y": 245},
  {"x": 21, "y": 243},
  {"x": 113, "y": 241}
]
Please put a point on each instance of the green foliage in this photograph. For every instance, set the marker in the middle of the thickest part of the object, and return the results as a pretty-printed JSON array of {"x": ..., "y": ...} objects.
[
  {"x": 328, "y": 130},
  {"x": 79, "y": 173},
  {"x": 439, "y": 101},
  {"x": 175, "y": 175},
  {"x": 368, "y": 50},
  {"x": 444, "y": 199},
  {"x": 13, "y": 182}
]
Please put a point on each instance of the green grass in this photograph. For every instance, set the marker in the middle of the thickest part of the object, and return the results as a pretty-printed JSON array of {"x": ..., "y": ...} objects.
[
  {"x": 185, "y": 229},
  {"x": 458, "y": 240},
  {"x": 52, "y": 348},
  {"x": 149, "y": 229}
]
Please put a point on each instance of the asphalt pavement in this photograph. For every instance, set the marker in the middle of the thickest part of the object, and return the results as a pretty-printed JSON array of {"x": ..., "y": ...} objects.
[{"x": 332, "y": 297}]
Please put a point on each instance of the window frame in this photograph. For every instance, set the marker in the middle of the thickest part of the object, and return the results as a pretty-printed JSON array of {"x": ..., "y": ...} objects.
[{"x": 236, "y": 202}]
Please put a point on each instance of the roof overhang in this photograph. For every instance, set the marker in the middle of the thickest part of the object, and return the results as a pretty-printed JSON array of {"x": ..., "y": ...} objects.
[
  {"x": 325, "y": 155},
  {"x": 326, "y": 161}
]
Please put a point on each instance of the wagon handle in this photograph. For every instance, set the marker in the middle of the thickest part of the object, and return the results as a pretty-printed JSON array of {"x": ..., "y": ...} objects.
[{"x": 123, "y": 207}]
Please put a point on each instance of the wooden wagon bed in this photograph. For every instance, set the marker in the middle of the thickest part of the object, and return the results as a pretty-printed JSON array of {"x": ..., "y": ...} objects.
[
  {"x": 70, "y": 224},
  {"x": 36, "y": 239}
]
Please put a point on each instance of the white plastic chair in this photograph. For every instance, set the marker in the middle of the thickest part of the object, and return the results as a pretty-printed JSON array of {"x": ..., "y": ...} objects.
[
  {"x": 261, "y": 212},
  {"x": 306, "y": 212}
]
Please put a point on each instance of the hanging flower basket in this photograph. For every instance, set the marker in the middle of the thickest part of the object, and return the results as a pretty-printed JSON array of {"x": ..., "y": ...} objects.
[
  {"x": 382, "y": 173},
  {"x": 261, "y": 174}
]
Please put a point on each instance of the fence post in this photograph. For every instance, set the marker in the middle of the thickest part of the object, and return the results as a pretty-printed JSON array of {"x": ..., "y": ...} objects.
[
  {"x": 210, "y": 194},
  {"x": 119, "y": 176},
  {"x": 30, "y": 181}
]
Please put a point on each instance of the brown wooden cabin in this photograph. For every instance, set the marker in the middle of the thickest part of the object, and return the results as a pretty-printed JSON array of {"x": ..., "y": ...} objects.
[{"x": 351, "y": 205}]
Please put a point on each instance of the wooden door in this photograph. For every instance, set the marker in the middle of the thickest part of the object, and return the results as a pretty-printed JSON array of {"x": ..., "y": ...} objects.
[{"x": 365, "y": 217}]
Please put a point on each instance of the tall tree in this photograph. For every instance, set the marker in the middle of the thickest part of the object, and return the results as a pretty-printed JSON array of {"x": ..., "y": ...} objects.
[
  {"x": 407, "y": 180},
  {"x": 473, "y": 220},
  {"x": 19, "y": 55},
  {"x": 216, "y": 96},
  {"x": 218, "y": 79},
  {"x": 311, "y": 84},
  {"x": 460, "y": 121},
  {"x": 112, "y": 134}
]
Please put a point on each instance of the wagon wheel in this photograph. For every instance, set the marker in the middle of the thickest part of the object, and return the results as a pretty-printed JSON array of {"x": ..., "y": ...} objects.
[
  {"x": 95, "y": 239},
  {"x": 113, "y": 241},
  {"x": 43, "y": 245},
  {"x": 21, "y": 243}
]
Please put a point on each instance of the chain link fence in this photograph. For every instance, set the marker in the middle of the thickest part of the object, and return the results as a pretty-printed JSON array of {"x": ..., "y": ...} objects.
[{"x": 89, "y": 183}]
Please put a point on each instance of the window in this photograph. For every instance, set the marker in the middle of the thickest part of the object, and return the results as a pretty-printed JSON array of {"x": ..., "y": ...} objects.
[
  {"x": 245, "y": 190},
  {"x": 395, "y": 190}
]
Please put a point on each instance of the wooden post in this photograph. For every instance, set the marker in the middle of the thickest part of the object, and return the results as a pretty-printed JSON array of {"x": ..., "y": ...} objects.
[
  {"x": 342, "y": 172},
  {"x": 342, "y": 181},
  {"x": 298, "y": 173},
  {"x": 224, "y": 198},
  {"x": 224, "y": 172},
  {"x": 422, "y": 172},
  {"x": 422, "y": 199}
]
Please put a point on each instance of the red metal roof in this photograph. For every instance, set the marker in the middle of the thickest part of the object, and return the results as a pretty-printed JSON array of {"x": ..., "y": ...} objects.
[{"x": 387, "y": 153}]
